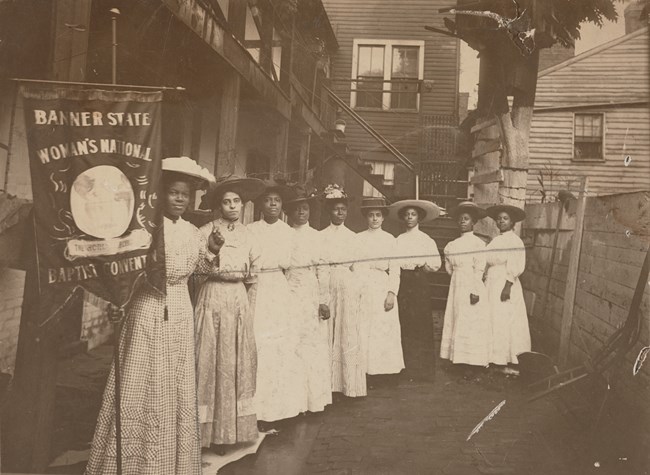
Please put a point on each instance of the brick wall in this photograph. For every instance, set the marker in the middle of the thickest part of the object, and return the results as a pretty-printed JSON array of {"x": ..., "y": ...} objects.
[
  {"x": 615, "y": 238},
  {"x": 11, "y": 299},
  {"x": 95, "y": 327}
]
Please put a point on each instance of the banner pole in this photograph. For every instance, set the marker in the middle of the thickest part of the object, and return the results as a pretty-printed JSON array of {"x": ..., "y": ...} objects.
[{"x": 118, "y": 323}]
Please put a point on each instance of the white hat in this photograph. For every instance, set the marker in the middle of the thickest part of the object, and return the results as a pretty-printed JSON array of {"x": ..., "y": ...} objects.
[
  {"x": 187, "y": 166},
  {"x": 431, "y": 210}
]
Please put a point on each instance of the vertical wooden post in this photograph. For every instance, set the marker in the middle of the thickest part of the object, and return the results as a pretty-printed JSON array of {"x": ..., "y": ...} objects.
[
  {"x": 279, "y": 160},
  {"x": 228, "y": 119},
  {"x": 287, "y": 57},
  {"x": 28, "y": 416},
  {"x": 237, "y": 18},
  {"x": 572, "y": 275},
  {"x": 266, "y": 37},
  {"x": 305, "y": 150},
  {"x": 547, "y": 289}
]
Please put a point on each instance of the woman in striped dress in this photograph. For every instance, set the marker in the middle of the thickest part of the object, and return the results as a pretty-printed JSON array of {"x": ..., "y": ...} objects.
[
  {"x": 341, "y": 250},
  {"x": 158, "y": 394},
  {"x": 308, "y": 279}
]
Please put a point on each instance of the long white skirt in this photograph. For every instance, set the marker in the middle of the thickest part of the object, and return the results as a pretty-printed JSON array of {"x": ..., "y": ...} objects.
[
  {"x": 510, "y": 332},
  {"x": 347, "y": 350},
  {"x": 313, "y": 346},
  {"x": 280, "y": 388},
  {"x": 381, "y": 329},
  {"x": 467, "y": 333}
]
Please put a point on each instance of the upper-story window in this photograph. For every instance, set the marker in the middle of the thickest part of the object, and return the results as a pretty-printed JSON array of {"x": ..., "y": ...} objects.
[
  {"x": 384, "y": 169},
  {"x": 386, "y": 74},
  {"x": 588, "y": 136}
]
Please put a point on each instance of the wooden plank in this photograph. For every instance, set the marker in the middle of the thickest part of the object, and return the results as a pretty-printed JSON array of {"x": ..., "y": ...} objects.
[
  {"x": 483, "y": 125},
  {"x": 195, "y": 17},
  {"x": 488, "y": 146},
  {"x": 228, "y": 120},
  {"x": 572, "y": 276},
  {"x": 495, "y": 176}
]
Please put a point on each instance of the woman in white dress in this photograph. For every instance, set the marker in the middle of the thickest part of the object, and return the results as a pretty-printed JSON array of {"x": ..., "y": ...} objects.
[
  {"x": 506, "y": 261},
  {"x": 225, "y": 343},
  {"x": 281, "y": 388},
  {"x": 341, "y": 251},
  {"x": 309, "y": 282},
  {"x": 158, "y": 400},
  {"x": 379, "y": 283},
  {"x": 418, "y": 257},
  {"x": 466, "y": 334}
]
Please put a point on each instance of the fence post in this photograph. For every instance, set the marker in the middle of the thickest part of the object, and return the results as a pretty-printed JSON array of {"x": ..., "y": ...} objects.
[{"x": 572, "y": 276}]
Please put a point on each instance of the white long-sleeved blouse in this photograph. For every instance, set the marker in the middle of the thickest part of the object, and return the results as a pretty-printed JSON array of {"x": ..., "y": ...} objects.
[
  {"x": 308, "y": 254},
  {"x": 377, "y": 251},
  {"x": 507, "y": 250},
  {"x": 415, "y": 248}
]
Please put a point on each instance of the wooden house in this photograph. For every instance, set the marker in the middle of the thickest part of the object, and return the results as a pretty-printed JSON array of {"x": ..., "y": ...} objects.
[
  {"x": 397, "y": 90},
  {"x": 592, "y": 119},
  {"x": 402, "y": 80}
]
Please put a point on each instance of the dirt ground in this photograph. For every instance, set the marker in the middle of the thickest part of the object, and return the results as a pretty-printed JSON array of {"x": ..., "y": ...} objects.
[{"x": 419, "y": 426}]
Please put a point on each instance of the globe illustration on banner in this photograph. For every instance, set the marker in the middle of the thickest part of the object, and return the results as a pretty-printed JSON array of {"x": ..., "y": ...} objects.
[{"x": 102, "y": 202}]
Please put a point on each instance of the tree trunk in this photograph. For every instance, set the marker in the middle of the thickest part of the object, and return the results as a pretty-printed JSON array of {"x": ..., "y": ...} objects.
[{"x": 504, "y": 72}]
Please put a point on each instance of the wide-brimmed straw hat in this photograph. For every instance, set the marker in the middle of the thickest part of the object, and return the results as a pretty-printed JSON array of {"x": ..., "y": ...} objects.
[
  {"x": 430, "y": 210},
  {"x": 368, "y": 204},
  {"x": 200, "y": 176},
  {"x": 300, "y": 194},
  {"x": 248, "y": 189},
  {"x": 334, "y": 193},
  {"x": 469, "y": 207},
  {"x": 516, "y": 214}
]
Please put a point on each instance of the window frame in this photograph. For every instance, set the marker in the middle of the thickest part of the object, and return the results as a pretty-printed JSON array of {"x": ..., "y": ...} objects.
[
  {"x": 366, "y": 184},
  {"x": 573, "y": 138},
  {"x": 388, "y": 70}
]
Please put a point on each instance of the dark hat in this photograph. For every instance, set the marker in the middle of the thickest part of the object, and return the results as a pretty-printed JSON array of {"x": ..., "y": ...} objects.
[
  {"x": 429, "y": 210},
  {"x": 474, "y": 210},
  {"x": 368, "y": 204},
  {"x": 276, "y": 185},
  {"x": 516, "y": 214},
  {"x": 299, "y": 194},
  {"x": 247, "y": 188}
]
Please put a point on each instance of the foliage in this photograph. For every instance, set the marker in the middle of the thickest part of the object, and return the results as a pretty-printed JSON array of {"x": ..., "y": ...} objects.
[
  {"x": 551, "y": 21},
  {"x": 566, "y": 16}
]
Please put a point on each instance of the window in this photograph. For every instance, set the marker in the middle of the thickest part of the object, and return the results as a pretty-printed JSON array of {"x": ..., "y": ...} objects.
[
  {"x": 252, "y": 38},
  {"x": 386, "y": 74},
  {"x": 404, "y": 88},
  {"x": 588, "y": 136},
  {"x": 387, "y": 170},
  {"x": 370, "y": 76}
]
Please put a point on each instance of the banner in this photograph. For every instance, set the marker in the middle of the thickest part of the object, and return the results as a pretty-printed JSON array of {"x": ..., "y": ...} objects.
[{"x": 95, "y": 160}]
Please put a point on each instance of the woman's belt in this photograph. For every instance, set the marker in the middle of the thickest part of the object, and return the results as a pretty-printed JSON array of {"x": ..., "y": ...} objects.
[{"x": 227, "y": 278}]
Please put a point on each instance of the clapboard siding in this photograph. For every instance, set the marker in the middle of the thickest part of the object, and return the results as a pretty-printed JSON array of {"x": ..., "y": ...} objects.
[
  {"x": 614, "y": 72},
  {"x": 404, "y": 20},
  {"x": 551, "y": 151}
]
